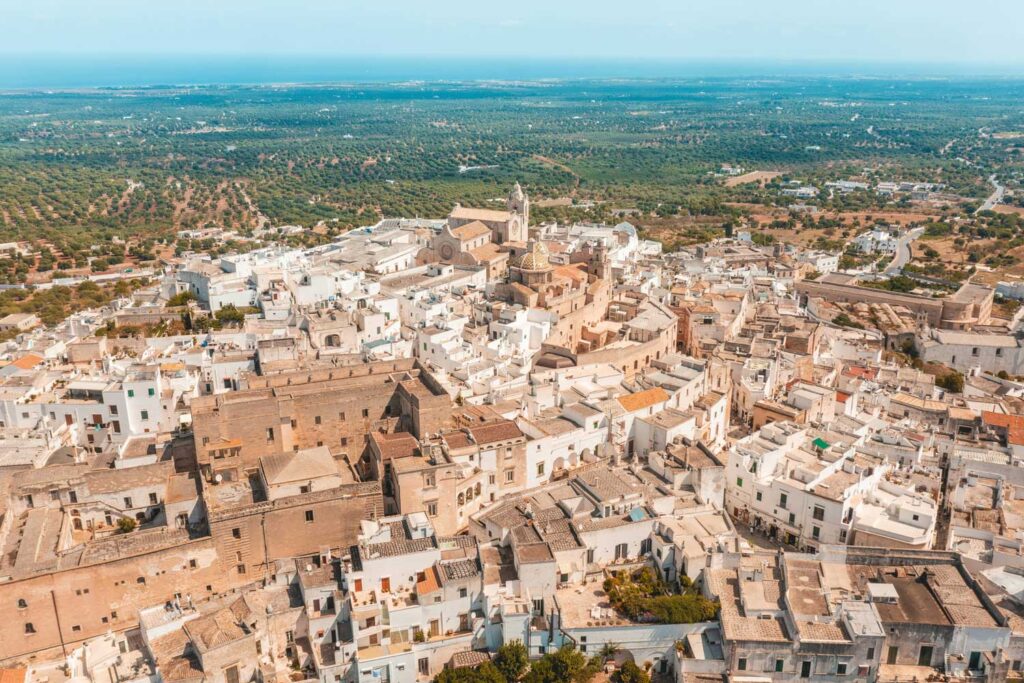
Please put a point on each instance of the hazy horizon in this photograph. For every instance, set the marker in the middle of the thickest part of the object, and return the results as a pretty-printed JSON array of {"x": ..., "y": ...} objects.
[
  {"x": 56, "y": 43},
  {"x": 41, "y": 71}
]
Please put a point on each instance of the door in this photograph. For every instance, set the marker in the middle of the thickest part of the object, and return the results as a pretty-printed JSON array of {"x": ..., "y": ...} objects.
[
  {"x": 925, "y": 658},
  {"x": 435, "y": 628},
  {"x": 891, "y": 656},
  {"x": 974, "y": 664},
  {"x": 231, "y": 674},
  {"x": 805, "y": 669},
  {"x": 385, "y": 584},
  {"x": 357, "y": 585}
]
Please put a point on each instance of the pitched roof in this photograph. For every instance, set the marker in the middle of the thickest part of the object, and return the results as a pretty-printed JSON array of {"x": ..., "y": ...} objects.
[
  {"x": 303, "y": 465},
  {"x": 643, "y": 399},
  {"x": 471, "y": 230},
  {"x": 465, "y": 212},
  {"x": 28, "y": 361}
]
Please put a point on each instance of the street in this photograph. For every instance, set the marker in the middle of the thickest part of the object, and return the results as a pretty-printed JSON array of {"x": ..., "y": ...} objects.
[
  {"x": 902, "y": 255},
  {"x": 994, "y": 198}
]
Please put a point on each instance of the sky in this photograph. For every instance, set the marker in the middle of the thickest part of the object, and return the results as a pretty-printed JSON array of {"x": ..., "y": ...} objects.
[{"x": 965, "y": 32}]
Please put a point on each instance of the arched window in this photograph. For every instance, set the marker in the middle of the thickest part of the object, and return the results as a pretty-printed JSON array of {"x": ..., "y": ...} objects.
[
  {"x": 22, "y": 603},
  {"x": 462, "y": 499}
]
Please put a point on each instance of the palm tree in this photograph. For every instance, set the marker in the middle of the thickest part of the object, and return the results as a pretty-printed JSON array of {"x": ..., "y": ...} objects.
[{"x": 609, "y": 650}]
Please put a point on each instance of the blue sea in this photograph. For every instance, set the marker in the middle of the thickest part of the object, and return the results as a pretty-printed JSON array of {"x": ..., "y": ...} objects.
[{"x": 77, "y": 71}]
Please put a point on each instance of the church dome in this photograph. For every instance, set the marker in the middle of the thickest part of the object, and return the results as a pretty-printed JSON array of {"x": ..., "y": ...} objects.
[{"x": 536, "y": 258}]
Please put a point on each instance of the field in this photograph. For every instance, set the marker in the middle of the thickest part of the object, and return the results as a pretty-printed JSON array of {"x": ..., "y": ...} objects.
[
  {"x": 95, "y": 179},
  {"x": 759, "y": 177}
]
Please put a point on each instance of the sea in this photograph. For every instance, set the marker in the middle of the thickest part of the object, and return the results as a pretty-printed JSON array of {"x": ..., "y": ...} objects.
[{"x": 46, "y": 71}]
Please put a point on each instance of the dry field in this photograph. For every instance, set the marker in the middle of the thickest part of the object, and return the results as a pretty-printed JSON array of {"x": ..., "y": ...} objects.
[{"x": 759, "y": 177}]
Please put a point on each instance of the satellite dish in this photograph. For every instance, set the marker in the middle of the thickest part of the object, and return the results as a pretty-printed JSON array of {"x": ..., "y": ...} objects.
[{"x": 218, "y": 478}]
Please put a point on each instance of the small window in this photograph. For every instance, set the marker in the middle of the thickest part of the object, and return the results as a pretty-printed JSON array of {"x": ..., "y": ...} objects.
[
  {"x": 309, "y": 515},
  {"x": 29, "y": 629},
  {"x": 540, "y": 469},
  {"x": 509, "y": 475},
  {"x": 462, "y": 592},
  {"x": 128, "y": 503},
  {"x": 741, "y": 664},
  {"x": 815, "y": 532},
  {"x": 316, "y": 420},
  {"x": 270, "y": 434},
  {"x": 76, "y": 628},
  {"x": 758, "y": 496},
  {"x": 22, "y": 603},
  {"x": 366, "y": 412},
  {"x": 432, "y": 509},
  {"x": 841, "y": 669},
  {"x": 240, "y": 568},
  {"x": 236, "y": 533},
  {"x": 193, "y": 564},
  {"x": 819, "y": 513},
  {"x": 152, "y": 391},
  {"x": 779, "y": 664},
  {"x": 152, "y": 499},
  {"x": 131, "y": 393},
  {"x": 145, "y": 414},
  {"x": 739, "y": 483}
]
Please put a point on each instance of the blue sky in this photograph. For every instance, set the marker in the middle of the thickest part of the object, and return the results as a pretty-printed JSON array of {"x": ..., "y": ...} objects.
[{"x": 892, "y": 31}]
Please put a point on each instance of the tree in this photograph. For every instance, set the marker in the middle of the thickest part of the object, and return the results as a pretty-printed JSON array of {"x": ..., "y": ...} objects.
[
  {"x": 566, "y": 665},
  {"x": 952, "y": 381},
  {"x": 181, "y": 298},
  {"x": 485, "y": 673},
  {"x": 609, "y": 650},
  {"x": 631, "y": 673},
  {"x": 512, "y": 660},
  {"x": 126, "y": 525}
]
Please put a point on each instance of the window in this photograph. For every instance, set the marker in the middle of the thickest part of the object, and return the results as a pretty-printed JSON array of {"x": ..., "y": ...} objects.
[
  {"x": 510, "y": 475},
  {"x": 819, "y": 513},
  {"x": 815, "y": 532},
  {"x": 152, "y": 499},
  {"x": 117, "y": 426},
  {"x": 316, "y": 420},
  {"x": 621, "y": 551},
  {"x": 462, "y": 592},
  {"x": 309, "y": 515},
  {"x": 783, "y": 499},
  {"x": 739, "y": 482},
  {"x": 741, "y": 664},
  {"x": 145, "y": 414},
  {"x": 758, "y": 496},
  {"x": 540, "y": 469},
  {"x": 131, "y": 393},
  {"x": 113, "y": 410},
  {"x": 871, "y": 653},
  {"x": 792, "y": 519},
  {"x": 344, "y": 441},
  {"x": 842, "y": 535},
  {"x": 779, "y": 664},
  {"x": 73, "y": 496},
  {"x": 22, "y": 604},
  {"x": 841, "y": 669},
  {"x": 76, "y": 628},
  {"x": 240, "y": 569},
  {"x": 236, "y": 533},
  {"x": 341, "y": 416},
  {"x": 193, "y": 564},
  {"x": 29, "y": 629},
  {"x": 974, "y": 351},
  {"x": 432, "y": 509},
  {"x": 152, "y": 391},
  {"x": 270, "y": 434},
  {"x": 366, "y": 412},
  {"x": 128, "y": 503}
]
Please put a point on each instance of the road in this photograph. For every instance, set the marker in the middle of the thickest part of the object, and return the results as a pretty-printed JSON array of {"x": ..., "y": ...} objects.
[
  {"x": 994, "y": 198},
  {"x": 902, "y": 255}
]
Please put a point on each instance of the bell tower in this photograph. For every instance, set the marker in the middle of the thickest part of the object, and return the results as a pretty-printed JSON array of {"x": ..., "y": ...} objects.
[{"x": 519, "y": 204}]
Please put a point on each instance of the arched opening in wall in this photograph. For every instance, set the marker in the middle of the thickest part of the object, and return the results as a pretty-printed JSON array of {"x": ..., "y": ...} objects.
[
  {"x": 559, "y": 464},
  {"x": 332, "y": 341}
]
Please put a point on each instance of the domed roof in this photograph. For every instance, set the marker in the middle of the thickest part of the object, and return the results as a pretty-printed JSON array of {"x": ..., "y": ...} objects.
[{"x": 536, "y": 258}]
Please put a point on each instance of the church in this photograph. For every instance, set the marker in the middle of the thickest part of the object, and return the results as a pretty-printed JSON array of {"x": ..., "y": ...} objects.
[{"x": 476, "y": 236}]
